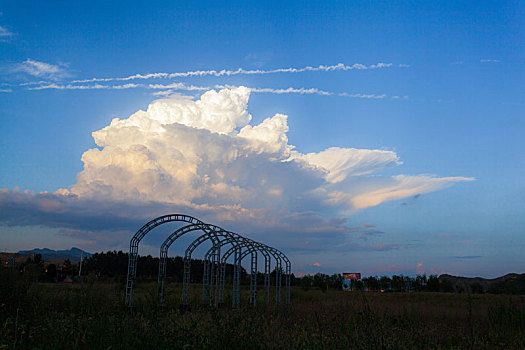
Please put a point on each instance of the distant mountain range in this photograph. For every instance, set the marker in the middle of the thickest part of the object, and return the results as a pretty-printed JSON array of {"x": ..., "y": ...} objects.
[{"x": 72, "y": 254}]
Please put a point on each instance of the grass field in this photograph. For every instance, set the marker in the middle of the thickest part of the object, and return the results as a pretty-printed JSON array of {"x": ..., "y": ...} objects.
[{"x": 92, "y": 316}]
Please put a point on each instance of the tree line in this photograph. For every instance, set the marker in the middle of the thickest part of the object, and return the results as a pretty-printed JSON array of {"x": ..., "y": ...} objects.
[
  {"x": 113, "y": 266},
  {"x": 396, "y": 283}
]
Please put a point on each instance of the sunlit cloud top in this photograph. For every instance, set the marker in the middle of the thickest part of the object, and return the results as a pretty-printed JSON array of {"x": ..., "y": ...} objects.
[{"x": 206, "y": 151}]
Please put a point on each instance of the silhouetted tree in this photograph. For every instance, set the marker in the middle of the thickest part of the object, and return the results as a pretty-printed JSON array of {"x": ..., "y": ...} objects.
[
  {"x": 37, "y": 259},
  {"x": 51, "y": 272},
  {"x": 446, "y": 286},
  {"x": 433, "y": 283},
  {"x": 336, "y": 281},
  {"x": 398, "y": 283},
  {"x": 385, "y": 283},
  {"x": 420, "y": 283},
  {"x": 306, "y": 282},
  {"x": 358, "y": 285},
  {"x": 476, "y": 288}
]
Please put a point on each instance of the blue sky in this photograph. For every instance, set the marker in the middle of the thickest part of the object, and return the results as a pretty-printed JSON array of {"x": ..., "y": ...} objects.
[{"x": 437, "y": 84}]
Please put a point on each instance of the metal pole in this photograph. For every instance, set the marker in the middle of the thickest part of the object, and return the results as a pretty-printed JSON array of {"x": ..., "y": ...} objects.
[
  {"x": 216, "y": 266},
  {"x": 253, "y": 279},
  {"x": 267, "y": 279}
]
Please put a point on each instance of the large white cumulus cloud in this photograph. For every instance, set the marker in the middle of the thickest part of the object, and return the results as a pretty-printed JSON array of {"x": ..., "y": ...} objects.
[{"x": 205, "y": 152}]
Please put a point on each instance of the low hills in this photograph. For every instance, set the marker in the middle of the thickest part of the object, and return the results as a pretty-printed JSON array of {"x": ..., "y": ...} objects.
[{"x": 511, "y": 283}]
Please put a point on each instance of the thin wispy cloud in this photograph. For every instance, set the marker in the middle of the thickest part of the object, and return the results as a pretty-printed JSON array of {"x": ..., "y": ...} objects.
[
  {"x": 178, "y": 86},
  {"x": 307, "y": 91},
  {"x": 242, "y": 71},
  {"x": 86, "y": 87},
  {"x": 372, "y": 96},
  {"x": 289, "y": 90},
  {"x": 41, "y": 69},
  {"x": 489, "y": 61},
  {"x": 5, "y": 34},
  {"x": 40, "y": 82},
  {"x": 169, "y": 89}
]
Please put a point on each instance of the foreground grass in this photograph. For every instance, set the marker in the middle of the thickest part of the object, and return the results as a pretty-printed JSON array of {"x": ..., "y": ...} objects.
[{"x": 49, "y": 316}]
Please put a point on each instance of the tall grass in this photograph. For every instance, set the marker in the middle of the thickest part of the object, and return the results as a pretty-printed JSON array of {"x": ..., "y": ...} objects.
[{"x": 92, "y": 315}]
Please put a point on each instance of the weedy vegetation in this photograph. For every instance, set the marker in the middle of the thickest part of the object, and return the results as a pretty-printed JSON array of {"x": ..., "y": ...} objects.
[{"x": 92, "y": 315}]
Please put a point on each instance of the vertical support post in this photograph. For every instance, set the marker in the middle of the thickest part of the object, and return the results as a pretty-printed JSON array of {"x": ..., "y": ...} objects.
[
  {"x": 211, "y": 278},
  {"x": 162, "y": 274},
  {"x": 236, "y": 279},
  {"x": 288, "y": 287},
  {"x": 280, "y": 274},
  {"x": 132, "y": 271},
  {"x": 266, "y": 279},
  {"x": 214, "y": 275},
  {"x": 206, "y": 278},
  {"x": 222, "y": 283},
  {"x": 217, "y": 267},
  {"x": 253, "y": 278},
  {"x": 186, "y": 282},
  {"x": 278, "y": 282}
]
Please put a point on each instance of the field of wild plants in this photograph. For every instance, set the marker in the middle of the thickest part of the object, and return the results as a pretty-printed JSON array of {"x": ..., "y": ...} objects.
[{"x": 92, "y": 316}]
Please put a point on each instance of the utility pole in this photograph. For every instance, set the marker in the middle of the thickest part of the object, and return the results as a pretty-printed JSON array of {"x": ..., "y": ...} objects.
[{"x": 80, "y": 268}]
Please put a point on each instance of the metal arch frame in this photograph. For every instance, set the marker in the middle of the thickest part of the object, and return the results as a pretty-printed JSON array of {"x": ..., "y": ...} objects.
[
  {"x": 236, "y": 277},
  {"x": 267, "y": 283},
  {"x": 236, "y": 281},
  {"x": 134, "y": 247},
  {"x": 237, "y": 268},
  {"x": 288, "y": 272},
  {"x": 214, "y": 233},
  {"x": 253, "y": 248},
  {"x": 181, "y": 231},
  {"x": 167, "y": 244},
  {"x": 187, "y": 261},
  {"x": 215, "y": 271}
]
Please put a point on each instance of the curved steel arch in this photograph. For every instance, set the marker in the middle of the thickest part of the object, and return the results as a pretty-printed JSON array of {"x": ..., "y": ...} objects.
[
  {"x": 288, "y": 272},
  {"x": 134, "y": 247},
  {"x": 187, "y": 260},
  {"x": 214, "y": 233},
  {"x": 267, "y": 271},
  {"x": 278, "y": 264},
  {"x": 181, "y": 231},
  {"x": 167, "y": 244},
  {"x": 253, "y": 247}
]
